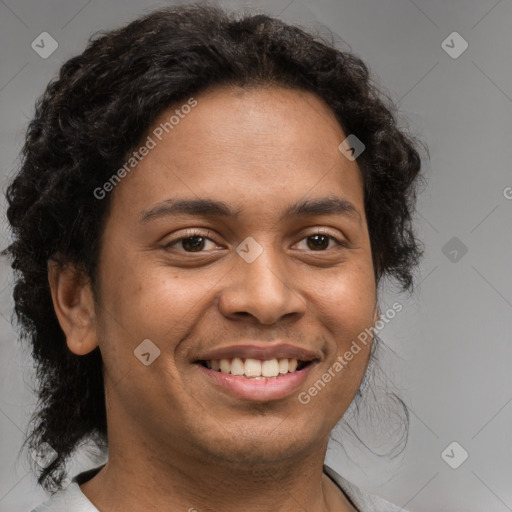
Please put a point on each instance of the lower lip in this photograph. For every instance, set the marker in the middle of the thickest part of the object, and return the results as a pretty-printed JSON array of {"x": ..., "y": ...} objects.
[{"x": 262, "y": 390}]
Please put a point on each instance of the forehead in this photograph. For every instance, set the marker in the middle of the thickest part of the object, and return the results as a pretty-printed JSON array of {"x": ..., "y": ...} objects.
[{"x": 255, "y": 146}]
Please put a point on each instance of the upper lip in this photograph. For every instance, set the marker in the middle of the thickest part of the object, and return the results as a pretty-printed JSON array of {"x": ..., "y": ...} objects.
[{"x": 260, "y": 351}]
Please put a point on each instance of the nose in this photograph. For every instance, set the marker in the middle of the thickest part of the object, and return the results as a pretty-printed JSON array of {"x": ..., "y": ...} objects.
[{"x": 263, "y": 289}]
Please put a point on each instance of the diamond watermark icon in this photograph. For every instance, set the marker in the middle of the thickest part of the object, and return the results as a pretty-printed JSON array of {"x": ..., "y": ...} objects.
[
  {"x": 44, "y": 45},
  {"x": 44, "y": 455},
  {"x": 454, "y": 249},
  {"x": 249, "y": 249},
  {"x": 454, "y": 45},
  {"x": 454, "y": 455},
  {"x": 351, "y": 147},
  {"x": 146, "y": 352}
]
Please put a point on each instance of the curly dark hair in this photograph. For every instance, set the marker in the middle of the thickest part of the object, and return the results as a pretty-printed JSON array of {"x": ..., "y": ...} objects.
[{"x": 96, "y": 112}]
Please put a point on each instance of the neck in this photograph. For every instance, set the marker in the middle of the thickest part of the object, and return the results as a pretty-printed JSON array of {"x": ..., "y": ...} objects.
[
  {"x": 152, "y": 470},
  {"x": 134, "y": 479}
]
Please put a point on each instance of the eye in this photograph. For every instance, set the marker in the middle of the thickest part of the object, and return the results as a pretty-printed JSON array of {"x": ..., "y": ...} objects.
[
  {"x": 320, "y": 240},
  {"x": 194, "y": 241}
]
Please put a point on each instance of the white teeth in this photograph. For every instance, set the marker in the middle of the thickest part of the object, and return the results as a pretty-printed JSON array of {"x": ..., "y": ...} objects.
[
  {"x": 225, "y": 366},
  {"x": 254, "y": 368},
  {"x": 237, "y": 366},
  {"x": 270, "y": 368}
]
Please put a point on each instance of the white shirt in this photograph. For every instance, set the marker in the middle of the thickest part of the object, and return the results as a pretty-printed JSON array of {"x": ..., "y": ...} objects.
[{"x": 72, "y": 499}]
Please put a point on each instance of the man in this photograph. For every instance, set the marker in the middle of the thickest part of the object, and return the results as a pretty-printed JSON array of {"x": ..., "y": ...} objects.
[{"x": 215, "y": 206}]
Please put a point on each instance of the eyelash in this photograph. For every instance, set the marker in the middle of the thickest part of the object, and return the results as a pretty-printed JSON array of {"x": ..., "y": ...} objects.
[{"x": 192, "y": 233}]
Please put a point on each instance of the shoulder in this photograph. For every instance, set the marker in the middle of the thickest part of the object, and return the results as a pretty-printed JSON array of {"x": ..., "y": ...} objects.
[
  {"x": 364, "y": 501},
  {"x": 71, "y": 498}
]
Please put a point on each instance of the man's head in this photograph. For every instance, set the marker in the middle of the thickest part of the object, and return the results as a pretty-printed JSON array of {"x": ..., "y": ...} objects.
[{"x": 244, "y": 112}]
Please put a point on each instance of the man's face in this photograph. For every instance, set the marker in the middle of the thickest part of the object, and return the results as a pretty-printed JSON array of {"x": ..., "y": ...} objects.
[{"x": 259, "y": 152}]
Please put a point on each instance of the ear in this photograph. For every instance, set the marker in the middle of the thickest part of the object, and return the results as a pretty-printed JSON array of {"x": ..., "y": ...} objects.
[{"x": 73, "y": 302}]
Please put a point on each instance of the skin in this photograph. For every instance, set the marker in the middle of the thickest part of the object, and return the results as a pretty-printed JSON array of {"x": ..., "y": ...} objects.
[{"x": 175, "y": 441}]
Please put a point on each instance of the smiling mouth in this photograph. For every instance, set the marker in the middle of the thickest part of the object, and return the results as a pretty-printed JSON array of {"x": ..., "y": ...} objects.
[{"x": 257, "y": 369}]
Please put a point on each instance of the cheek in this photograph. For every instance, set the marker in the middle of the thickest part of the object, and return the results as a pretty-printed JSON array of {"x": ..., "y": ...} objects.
[
  {"x": 347, "y": 299},
  {"x": 348, "y": 307},
  {"x": 141, "y": 305},
  {"x": 144, "y": 294},
  {"x": 151, "y": 302}
]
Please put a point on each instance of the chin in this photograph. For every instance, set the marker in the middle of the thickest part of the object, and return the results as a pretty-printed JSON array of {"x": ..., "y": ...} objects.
[{"x": 255, "y": 446}]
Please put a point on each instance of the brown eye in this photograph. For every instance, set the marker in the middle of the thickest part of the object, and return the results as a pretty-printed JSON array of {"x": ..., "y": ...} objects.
[
  {"x": 318, "y": 241},
  {"x": 193, "y": 242}
]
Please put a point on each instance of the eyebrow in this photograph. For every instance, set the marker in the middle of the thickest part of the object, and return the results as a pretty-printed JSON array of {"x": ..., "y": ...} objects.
[{"x": 331, "y": 205}]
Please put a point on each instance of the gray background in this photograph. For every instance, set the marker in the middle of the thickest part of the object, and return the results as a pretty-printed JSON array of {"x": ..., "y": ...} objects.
[{"x": 452, "y": 338}]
